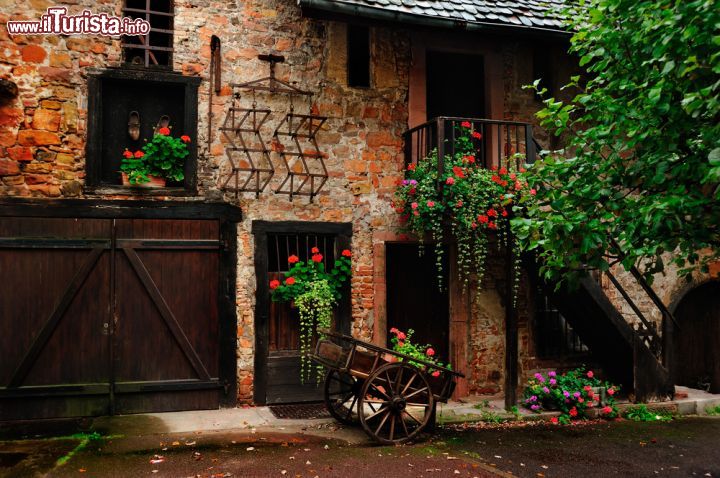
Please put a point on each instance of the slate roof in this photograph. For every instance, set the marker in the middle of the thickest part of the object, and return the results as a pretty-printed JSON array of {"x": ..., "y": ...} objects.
[{"x": 533, "y": 14}]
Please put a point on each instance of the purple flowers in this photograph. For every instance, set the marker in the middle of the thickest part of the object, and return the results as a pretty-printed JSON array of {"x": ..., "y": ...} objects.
[
  {"x": 531, "y": 399},
  {"x": 566, "y": 393},
  {"x": 553, "y": 381},
  {"x": 539, "y": 377},
  {"x": 577, "y": 394},
  {"x": 534, "y": 407},
  {"x": 546, "y": 390},
  {"x": 552, "y": 374}
]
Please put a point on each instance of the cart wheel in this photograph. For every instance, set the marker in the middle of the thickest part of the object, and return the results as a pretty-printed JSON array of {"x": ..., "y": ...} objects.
[
  {"x": 341, "y": 394},
  {"x": 395, "y": 403}
]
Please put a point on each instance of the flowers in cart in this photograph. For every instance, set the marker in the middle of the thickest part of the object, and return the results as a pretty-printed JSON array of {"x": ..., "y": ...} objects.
[
  {"x": 402, "y": 342},
  {"x": 315, "y": 292}
]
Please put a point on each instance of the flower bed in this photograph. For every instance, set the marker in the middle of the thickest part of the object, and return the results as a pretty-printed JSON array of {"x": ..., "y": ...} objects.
[{"x": 572, "y": 393}]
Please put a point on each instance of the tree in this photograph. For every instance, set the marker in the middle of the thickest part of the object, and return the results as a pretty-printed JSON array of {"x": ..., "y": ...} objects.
[{"x": 639, "y": 177}]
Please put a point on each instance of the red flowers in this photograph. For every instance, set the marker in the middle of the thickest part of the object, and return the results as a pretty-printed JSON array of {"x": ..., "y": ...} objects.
[
  {"x": 346, "y": 253},
  {"x": 450, "y": 181},
  {"x": 468, "y": 159},
  {"x": 164, "y": 131},
  {"x": 611, "y": 391},
  {"x": 457, "y": 171},
  {"x": 139, "y": 154},
  {"x": 430, "y": 203},
  {"x": 290, "y": 281},
  {"x": 401, "y": 335},
  {"x": 127, "y": 154},
  {"x": 411, "y": 167},
  {"x": 185, "y": 138},
  {"x": 554, "y": 420},
  {"x": 573, "y": 412},
  {"x": 436, "y": 373},
  {"x": 492, "y": 213},
  {"x": 430, "y": 352},
  {"x": 476, "y": 135},
  {"x": 483, "y": 219},
  {"x": 533, "y": 192},
  {"x": 317, "y": 257},
  {"x": 293, "y": 259},
  {"x": 590, "y": 374},
  {"x": 492, "y": 225},
  {"x": 274, "y": 284},
  {"x": 503, "y": 170},
  {"x": 606, "y": 410},
  {"x": 466, "y": 124},
  {"x": 315, "y": 250}
]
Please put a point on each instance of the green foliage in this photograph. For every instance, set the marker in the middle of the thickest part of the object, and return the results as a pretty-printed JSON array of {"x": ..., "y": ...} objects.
[
  {"x": 462, "y": 200},
  {"x": 402, "y": 342},
  {"x": 713, "y": 410},
  {"x": 163, "y": 156},
  {"x": 640, "y": 173},
  {"x": 315, "y": 292},
  {"x": 641, "y": 413},
  {"x": 572, "y": 393}
]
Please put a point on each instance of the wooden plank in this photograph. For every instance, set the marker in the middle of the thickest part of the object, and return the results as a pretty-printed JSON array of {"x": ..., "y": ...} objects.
[
  {"x": 167, "y": 386},
  {"x": 166, "y": 313},
  {"x": 41, "y": 243},
  {"x": 262, "y": 311},
  {"x": 110, "y": 209},
  {"x": 459, "y": 319},
  {"x": 62, "y": 390},
  {"x": 227, "y": 310},
  {"x": 54, "y": 319}
]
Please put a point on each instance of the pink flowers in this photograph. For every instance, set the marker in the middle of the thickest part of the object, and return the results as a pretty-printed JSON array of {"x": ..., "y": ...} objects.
[
  {"x": 430, "y": 352},
  {"x": 414, "y": 205},
  {"x": 606, "y": 410},
  {"x": 611, "y": 391},
  {"x": 590, "y": 374},
  {"x": 533, "y": 192},
  {"x": 430, "y": 203},
  {"x": 450, "y": 181}
]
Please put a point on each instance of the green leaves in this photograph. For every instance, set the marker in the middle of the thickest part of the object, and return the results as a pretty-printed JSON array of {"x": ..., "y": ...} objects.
[{"x": 644, "y": 133}]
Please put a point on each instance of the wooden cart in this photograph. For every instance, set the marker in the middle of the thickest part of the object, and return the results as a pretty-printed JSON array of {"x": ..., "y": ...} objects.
[{"x": 392, "y": 395}]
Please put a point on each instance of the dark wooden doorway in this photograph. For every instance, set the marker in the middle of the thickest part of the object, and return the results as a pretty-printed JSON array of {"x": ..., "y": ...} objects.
[
  {"x": 114, "y": 315},
  {"x": 414, "y": 300},
  {"x": 277, "y": 329},
  {"x": 455, "y": 85},
  {"x": 697, "y": 344}
]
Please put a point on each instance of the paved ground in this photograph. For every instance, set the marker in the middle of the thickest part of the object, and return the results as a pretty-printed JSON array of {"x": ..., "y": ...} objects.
[{"x": 684, "y": 447}]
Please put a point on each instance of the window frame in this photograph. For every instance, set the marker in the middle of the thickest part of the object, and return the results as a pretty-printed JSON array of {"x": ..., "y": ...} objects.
[{"x": 149, "y": 49}]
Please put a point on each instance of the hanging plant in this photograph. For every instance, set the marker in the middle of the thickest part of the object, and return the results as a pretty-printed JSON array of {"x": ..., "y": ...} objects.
[
  {"x": 315, "y": 292},
  {"x": 463, "y": 202}
]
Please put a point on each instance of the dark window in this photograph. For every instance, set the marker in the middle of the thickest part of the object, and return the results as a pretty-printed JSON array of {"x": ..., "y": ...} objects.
[
  {"x": 358, "y": 58},
  {"x": 543, "y": 71},
  {"x": 113, "y": 95},
  {"x": 155, "y": 48},
  {"x": 554, "y": 337},
  {"x": 455, "y": 85}
]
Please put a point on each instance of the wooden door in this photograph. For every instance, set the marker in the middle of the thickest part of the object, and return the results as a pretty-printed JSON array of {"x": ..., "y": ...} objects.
[
  {"x": 54, "y": 328},
  {"x": 102, "y": 316},
  {"x": 277, "y": 359},
  {"x": 697, "y": 342},
  {"x": 166, "y": 283},
  {"x": 414, "y": 300}
]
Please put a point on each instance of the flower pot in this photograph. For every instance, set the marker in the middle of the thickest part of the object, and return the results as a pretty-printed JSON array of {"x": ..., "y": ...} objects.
[{"x": 155, "y": 182}]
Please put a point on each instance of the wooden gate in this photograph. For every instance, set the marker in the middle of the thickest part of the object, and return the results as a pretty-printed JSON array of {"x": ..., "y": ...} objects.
[{"x": 105, "y": 315}]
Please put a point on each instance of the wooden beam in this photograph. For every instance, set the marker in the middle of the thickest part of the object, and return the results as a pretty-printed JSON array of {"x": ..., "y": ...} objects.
[{"x": 511, "y": 330}]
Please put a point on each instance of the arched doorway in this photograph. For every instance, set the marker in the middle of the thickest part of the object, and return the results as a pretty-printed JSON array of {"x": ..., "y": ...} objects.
[{"x": 697, "y": 343}]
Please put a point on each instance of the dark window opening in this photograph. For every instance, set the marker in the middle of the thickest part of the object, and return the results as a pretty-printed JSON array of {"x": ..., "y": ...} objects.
[
  {"x": 543, "y": 71},
  {"x": 155, "y": 48},
  {"x": 555, "y": 338},
  {"x": 446, "y": 96},
  {"x": 358, "y": 58}
]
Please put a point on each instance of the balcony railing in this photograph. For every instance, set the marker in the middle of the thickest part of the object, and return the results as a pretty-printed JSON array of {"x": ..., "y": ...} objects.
[{"x": 498, "y": 146}]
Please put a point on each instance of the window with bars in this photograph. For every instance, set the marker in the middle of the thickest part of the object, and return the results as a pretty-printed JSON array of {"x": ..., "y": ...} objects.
[
  {"x": 283, "y": 328},
  {"x": 555, "y": 338},
  {"x": 155, "y": 48}
]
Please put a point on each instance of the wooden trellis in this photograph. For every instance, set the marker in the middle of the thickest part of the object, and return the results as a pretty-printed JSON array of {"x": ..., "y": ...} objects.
[{"x": 294, "y": 139}]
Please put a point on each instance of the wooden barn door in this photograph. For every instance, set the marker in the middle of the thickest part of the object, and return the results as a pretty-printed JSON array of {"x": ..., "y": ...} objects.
[
  {"x": 278, "y": 364},
  {"x": 55, "y": 349},
  {"x": 103, "y": 316}
]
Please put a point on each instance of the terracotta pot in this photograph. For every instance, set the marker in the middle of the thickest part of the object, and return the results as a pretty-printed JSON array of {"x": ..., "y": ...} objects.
[{"x": 155, "y": 182}]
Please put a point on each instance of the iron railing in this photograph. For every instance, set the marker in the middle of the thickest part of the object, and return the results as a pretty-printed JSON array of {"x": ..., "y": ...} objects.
[{"x": 498, "y": 145}]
